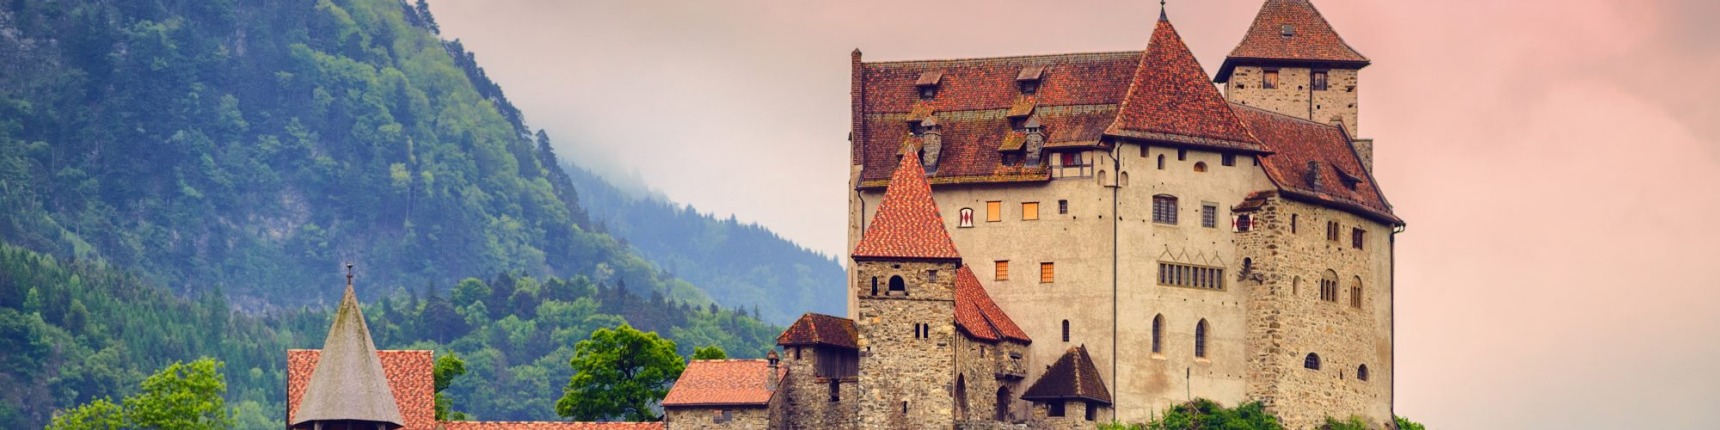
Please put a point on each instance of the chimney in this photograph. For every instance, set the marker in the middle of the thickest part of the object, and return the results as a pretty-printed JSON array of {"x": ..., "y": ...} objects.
[
  {"x": 1314, "y": 176},
  {"x": 1035, "y": 141},
  {"x": 770, "y": 380},
  {"x": 932, "y": 142}
]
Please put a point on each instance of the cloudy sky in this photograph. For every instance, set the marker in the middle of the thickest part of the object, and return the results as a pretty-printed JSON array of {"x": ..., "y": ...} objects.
[{"x": 1554, "y": 159}]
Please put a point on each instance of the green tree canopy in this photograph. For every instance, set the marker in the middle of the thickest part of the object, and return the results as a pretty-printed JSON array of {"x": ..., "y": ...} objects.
[
  {"x": 448, "y": 366},
  {"x": 1406, "y": 424},
  {"x": 711, "y": 352},
  {"x": 181, "y": 396},
  {"x": 618, "y": 373}
]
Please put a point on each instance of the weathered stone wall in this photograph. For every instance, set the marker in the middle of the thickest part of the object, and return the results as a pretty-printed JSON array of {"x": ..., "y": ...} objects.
[
  {"x": 703, "y": 418},
  {"x": 1074, "y": 417},
  {"x": 806, "y": 396},
  {"x": 906, "y": 380},
  {"x": 1288, "y": 319},
  {"x": 982, "y": 368},
  {"x": 1296, "y": 96}
]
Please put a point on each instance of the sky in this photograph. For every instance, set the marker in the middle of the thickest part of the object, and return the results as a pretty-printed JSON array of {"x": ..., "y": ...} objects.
[{"x": 1555, "y": 160}]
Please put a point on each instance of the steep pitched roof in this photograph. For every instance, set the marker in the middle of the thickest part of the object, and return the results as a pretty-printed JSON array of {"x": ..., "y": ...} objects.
[
  {"x": 1171, "y": 100},
  {"x": 1311, "y": 40},
  {"x": 820, "y": 329},
  {"x": 409, "y": 376},
  {"x": 1296, "y": 143},
  {"x": 979, "y": 316},
  {"x": 907, "y": 224},
  {"x": 723, "y": 383},
  {"x": 349, "y": 382},
  {"x": 1073, "y": 377}
]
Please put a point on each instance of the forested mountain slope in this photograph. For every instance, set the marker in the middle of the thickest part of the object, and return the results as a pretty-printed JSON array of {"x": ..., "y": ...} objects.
[
  {"x": 254, "y": 146},
  {"x": 737, "y": 264}
]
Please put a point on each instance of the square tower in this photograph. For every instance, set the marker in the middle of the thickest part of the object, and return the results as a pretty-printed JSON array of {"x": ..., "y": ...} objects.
[{"x": 1292, "y": 62}]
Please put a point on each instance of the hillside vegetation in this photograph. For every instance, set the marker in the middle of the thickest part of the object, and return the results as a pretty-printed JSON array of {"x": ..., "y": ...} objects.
[{"x": 255, "y": 146}]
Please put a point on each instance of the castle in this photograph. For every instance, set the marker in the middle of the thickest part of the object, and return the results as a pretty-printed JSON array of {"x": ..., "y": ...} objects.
[{"x": 1051, "y": 242}]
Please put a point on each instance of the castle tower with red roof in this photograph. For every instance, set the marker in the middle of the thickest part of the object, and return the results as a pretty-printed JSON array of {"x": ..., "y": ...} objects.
[
  {"x": 1159, "y": 236},
  {"x": 906, "y": 301}
]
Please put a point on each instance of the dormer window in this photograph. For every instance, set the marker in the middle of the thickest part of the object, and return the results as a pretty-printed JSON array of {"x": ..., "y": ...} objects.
[
  {"x": 1287, "y": 30},
  {"x": 1028, "y": 79},
  {"x": 928, "y": 83}
]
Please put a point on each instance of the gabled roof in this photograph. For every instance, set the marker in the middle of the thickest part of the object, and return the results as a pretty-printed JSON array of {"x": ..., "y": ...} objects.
[
  {"x": 723, "y": 383},
  {"x": 1073, "y": 377},
  {"x": 409, "y": 375},
  {"x": 907, "y": 225},
  {"x": 1312, "y": 40},
  {"x": 349, "y": 382},
  {"x": 979, "y": 316},
  {"x": 1170, "y": 100},
  {"x": 820, "y": 329},
  {"x": 1297, "y": 142}
]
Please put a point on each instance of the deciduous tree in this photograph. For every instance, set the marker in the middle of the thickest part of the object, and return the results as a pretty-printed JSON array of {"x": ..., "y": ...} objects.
[{"x": 619, "y": 373}]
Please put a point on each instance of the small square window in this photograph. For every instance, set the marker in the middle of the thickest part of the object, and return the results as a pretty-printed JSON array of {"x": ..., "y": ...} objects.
[
  {"x": 1000, "y": 272},
  {"x": 993, "y": 211},
  {"x": 1030, "y": 211},
  {"x": 1209, "y": 215},
  {"x": 928, "y": 92},
  {"x": 1268, "y": 80},
  {"x": 1320, "y": 80},
  {"x": 1062, "y": 206},
  {"x": 1228, "y": 159}
]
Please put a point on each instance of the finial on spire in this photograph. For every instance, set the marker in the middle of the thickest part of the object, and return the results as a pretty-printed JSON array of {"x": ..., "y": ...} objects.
[
  {"x": 1162, "y": 16},
  {"x": 349, "y": 275}
]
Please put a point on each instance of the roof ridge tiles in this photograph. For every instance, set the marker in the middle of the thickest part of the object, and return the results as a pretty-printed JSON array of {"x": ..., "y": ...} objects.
[{"x": 1073, "y": 55}]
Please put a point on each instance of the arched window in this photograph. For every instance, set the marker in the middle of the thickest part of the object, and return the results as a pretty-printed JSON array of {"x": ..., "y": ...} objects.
[
  {"x": 1362, "y": 372},
  {"x": 1161, "y": 161},
  {"x": 1356, "y": 293},
  {"x": 1200, "y": 166},
  {"x": 874, "y": 285},
  {"x": 896, "y": 285},
  {"x": 1200, "y": 339},
  {"x": 1104, "y": 180},
  {"x": 1158, "y": 333},
  {"x": 1123, "y": 179},
  {"x": 1329, "y": 286},
  {"x": 1065, "y": 330},
  {"x": 961, "y": 398},
  {"x": 1002, "y": 408},
  {"x": 1295, "y": 286},
  {"x": 1312, "y": 361}
]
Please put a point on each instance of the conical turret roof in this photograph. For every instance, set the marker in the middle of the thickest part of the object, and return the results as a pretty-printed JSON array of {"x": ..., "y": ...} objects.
[
  {"x": 348, "y": 383},
  {"x": 907, "y": 224},
  {"x": 1171, "y": 100},
  {"x": 1291, "y": 32}
]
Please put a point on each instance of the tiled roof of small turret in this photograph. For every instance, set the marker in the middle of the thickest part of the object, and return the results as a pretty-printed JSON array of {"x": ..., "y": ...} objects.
[
  {"x": 907, "y": 224},
  {"x": 409, "y": 377},
  {"x": 820, "y": 329},
  {"x": 724, "y": 383},
  {"x": 979, "y": 316},
  {"x": 1311, "y": 39},
  {"x": 349, "y": 383},
  {"x": 1073, "y": 377},
  {"x": 1171, "y": 100}
]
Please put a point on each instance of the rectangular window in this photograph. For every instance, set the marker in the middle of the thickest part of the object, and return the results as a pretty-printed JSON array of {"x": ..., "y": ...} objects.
[
  {"x": 1332, "y": 231},
  {"x": 1209, "y": 215},
  {"x": 993, "y": 211},
  {"x": 1030, "y": 211},
  {"x": 1182, "y": 154},
  {"x": 1356, "y": 238},
  {"x": 1062, "y": 206},
  {"x": 1056, "y": 409},
  {"x": 1165, "y": 209},
  {"x": 1228, "y": 159},
  {"x": 1046, "y": 273},
  {"x": 1269, "y": 80},
  {"x": 1184, "y": 275},
  {"x": 1001, "y": 270},
  {"x": 1319, "y": 80}
]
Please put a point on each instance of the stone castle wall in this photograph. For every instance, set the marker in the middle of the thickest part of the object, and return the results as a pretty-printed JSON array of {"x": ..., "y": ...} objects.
[
  {"x": 1289, "y": 320},
  {"x": 806, "y": 396},
  {"x": 906, "y": 380},
  {"x": 701, "y": 418},
  {"x": 982, "y": 368},
  {"x": 1295, "y": 95}
]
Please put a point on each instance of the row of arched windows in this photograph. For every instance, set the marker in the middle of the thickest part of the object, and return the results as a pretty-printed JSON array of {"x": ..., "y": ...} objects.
[
  {"x": 1312, "y": 362},
  {"x": 1329, "y": 288},
  {"x": 1200, "y": 329}
]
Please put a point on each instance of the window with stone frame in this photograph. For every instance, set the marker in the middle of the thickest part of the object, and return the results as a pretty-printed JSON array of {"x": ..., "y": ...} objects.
[
  {"x": 1185, "y": 275},
  {"x": 1065, "y": 330},
  {"x": 1329, "y": 286},
  {"x": 1200, "y": 339},
  {"x": 1269, "y": 79},
  {"x": 1319, "y": 78},
  {"x": 1356, "y": 293},
  {"x": 1332, "y": 231},
  {"x": 1158, "y": 333},
  {"x": 1209, "y": 215},
  {"x": 1062, "y": 207},
  {"x": 1165, "y": 209},
  {"x": 1357, "y": 237},
  {"x": 1000, "y": 271}
]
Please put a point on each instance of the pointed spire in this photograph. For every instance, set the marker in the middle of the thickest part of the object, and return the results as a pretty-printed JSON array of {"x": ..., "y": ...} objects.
[
  {"x": 1290, "y": 32},
  {"x": 348, "y": 383},
  {"x": 1171, "y": 100},
  {"x": 908, "y": 224},
  {"x": 1162, "y": 16}
]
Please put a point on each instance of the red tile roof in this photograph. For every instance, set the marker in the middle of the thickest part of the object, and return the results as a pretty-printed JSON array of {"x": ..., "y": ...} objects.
[
  {"x": 1312, "y": 39},
  {"x": 907, "y": 224},
  {"x": 979, "y": 316},
  {"x": 409, "y": 377},
  {"x": 546, "y": 425},
  {"x": 723, "y": 383},
  {"x": 820, "y": 329},
  {"x": 1171, "y": 100},
  {"x": 1296, "y": 142},
  {"x": 1073, "y": 377}
]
